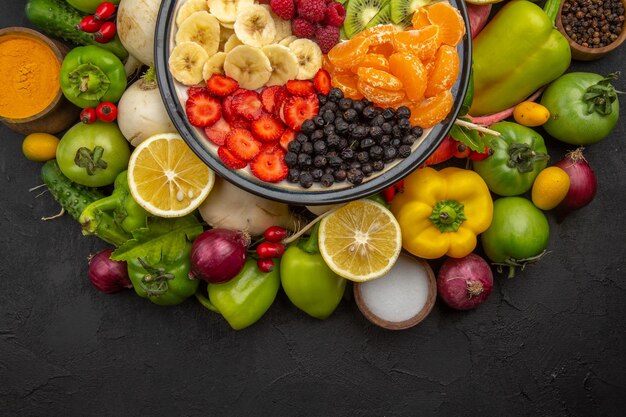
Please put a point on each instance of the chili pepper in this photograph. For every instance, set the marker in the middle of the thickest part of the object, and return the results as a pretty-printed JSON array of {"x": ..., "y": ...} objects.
[
  {"x": 90, "y": 75},
  {"x": 505, "y": 76},
  {"x": 243, "y": 300},
  {"x": 106, "y": 112},
  {"x": 120, "y": 205},
  {"x": 444, "y": 151},
  {"x": 163, "y": 283},
  {"x": 88, "y": 115},
  {"x": 89, "y": 24},
  {"x": 270, "y": 250},
  {"x": 106, "y": 33},
  {"x": 265, "y": 264},
  {"x": 481, "y": 156},
  {"x": 308, "y": 282},
  {"x": 461, "y": 151},
  {"x": 105, "y": 11},
  {"x": 441, "y": 212},
  {"x": 275, "y": 234}
]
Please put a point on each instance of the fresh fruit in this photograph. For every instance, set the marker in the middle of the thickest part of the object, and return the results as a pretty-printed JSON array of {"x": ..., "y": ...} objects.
[
  {"x": 445, "y": 71},
  {"x": 531, "y": 114},
  {"x": 283, "y": 27},
  {"x": 449, "y": 20},
  {"x": 201, "y": 28},
  {"x": 189, "y": 7},
  {"x": 321, "y": 81},
  {"x": 379, "y": 79},
  {"x": 249, "y": 66},
  {"x": 432, "y": 110},
  {"x": 287, "y": 41},
  {"x": 287, "y": 137},
  {"x": 231, "y": 43},
  {"x": 327, "y": 37},
  {"x": 203, "y": 110},
  {"x": 186, "y": 63},
  {"x": 218, "y": 131},
  {"x": 166, "y": 178},
  {"x": 360, "y": 241},
  {"x": 302, "y": 28},
  {"x": 298, "y": 109},
  {"x": 229, "y": 159},
  {"x": 335, "y": 14},
  {"x": 248, "y": 105},
  {"x": 422, "y": 42},
  {"x": 359, "y": 13},
  {"x": 214, "y": 65},
  {"x": 228, "y": 10},
  {"x": 309, "y": 57},
  {"x": 312, "y": 10},
  {"x": 377, "y": 61},
  {"x": 550, "y": 188},
  {"x": 379, "y": 95},
  {"x": 267, "y": 128},
  {"x": 379, "y": 35},
  {"x": 221, "y": 86},
  {"x": 268, "y": 98},
  {"x": 300, "y": 87},
  {"x": 348, "y": 85},
  {"x": 254, "y": 26},
  {"x": 401, "y": 10},
  {"x": 411, "y": 72},
  {"x": 106, "y": 112},
  {"x": 40, "y": 147},
  {"x": 350, "y": 53},
  {"x": 284, "y": 64},
  {"x": 242, "y": 144},
  {"x": 269, "y": 165},
  {"x": 381, "y": 18},
  {"x": 285, "y": 9}
]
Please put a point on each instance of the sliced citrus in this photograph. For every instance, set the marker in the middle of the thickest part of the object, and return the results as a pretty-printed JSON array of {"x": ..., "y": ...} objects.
[
  {"x": 445, "y": 71},
  {"x": 449, "y": 20},
  {"x": 378, "y": 61},
  {"x": 411, "y": 72},
  {"x": 347, "y": 84},
  {"x": 360, "y": 241},
  {"x": 422, "y": 42},
  {"x": 166, "y": 178},
  {"x": 349, "y": 53},
  {"x": 432, "y": 110},
  {"x": 379, "y": 34},
  {"x": 380, "y": 79},
  {"x": 420, "y": 19},
  {"x": 378, "y": 95}
]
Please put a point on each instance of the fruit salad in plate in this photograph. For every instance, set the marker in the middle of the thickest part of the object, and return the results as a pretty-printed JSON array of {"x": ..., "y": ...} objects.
[{"x": 315, "y": 93}]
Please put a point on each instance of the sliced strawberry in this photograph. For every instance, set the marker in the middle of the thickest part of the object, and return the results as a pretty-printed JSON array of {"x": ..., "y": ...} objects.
[
  {"x": 269, "y": 165},
  {"x": 217, "y": 133},
  {"x": 221, "y": 85},
  {"x": 287, "y": 136},
  {"x": 279, "y": 100},
  {"x": 240, "y": 123},
  {"x": 248, "y": 105},
  {"x": 268, "y": 98},
  {"x": 192, "y": 91},
  {"x": 321, "y": 81},
  {"x": 267, "y": 128},
  {"x": 298, "y": 109},
  {"x": 300, "y": 87},
  {"x": 229, "y": 159},
  {"x": 242, "y": 144},
  {"x": 203, "y": 110}
]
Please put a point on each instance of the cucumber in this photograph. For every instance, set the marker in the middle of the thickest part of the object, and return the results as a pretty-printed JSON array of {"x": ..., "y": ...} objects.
[
  {"x": 74, "y": 198},
  {"x": 57, "y": 18}
]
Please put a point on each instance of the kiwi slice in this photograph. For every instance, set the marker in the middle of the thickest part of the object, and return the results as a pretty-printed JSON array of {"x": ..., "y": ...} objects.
[
  {"x": 359, "y": 13},
  {"x": 383, "y": 17},
  {"x": 404, "y": 9}
]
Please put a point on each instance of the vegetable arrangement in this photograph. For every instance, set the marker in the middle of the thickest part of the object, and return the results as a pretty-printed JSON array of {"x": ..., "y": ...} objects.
[{"x": 179, "y": 232}]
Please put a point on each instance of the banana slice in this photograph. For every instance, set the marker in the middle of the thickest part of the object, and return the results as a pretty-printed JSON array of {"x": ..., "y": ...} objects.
[
  {"x": 309, "y": 58},
  {"x": 283, "y": 27},
  {"x": 225, "y": 34},
  {"x": 232, "y": 43},
  {"x": 249, "y": 66},
  {"x": 287, "y": 41},
  {"x": 227, "y": 10},
  {"x": 228, "y": 25},
  {"x": 189, "y": 7},
  {"x": 201, "y": 28},
  {"x": 186, "y": 62},
  {"x": 254, "y": 26},
  {"x": 214, "y": 65},
  {"x": 284, "y": 64}
]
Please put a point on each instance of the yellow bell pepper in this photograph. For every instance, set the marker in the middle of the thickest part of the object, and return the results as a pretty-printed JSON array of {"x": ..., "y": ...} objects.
[{"x": 441, "y": 212}]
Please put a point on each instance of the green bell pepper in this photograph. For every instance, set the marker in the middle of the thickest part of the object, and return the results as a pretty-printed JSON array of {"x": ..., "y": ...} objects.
[
  {"x": 519, "y": 154},
  {"x": 517, "y": 52},
  {"x": 308, "y": 282},
  {"x": 125, "y": 211},
  {"x": 164, "y": 283},
  {"x": 91, "y": 75},
  {"x": 243, "y": 300}
]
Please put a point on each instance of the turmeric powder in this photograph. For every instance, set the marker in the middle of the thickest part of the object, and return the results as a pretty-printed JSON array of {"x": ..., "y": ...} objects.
[{"x": 29, "y": 76}]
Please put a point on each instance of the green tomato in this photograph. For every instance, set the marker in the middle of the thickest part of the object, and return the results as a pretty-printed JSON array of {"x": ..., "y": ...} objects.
[
  {"x": 88, "y": 6},
  {"x": 583, "y": 108},
  {"x": 519, "y": 154},
  {"x": 93, "y": 154},
  {"x": 518, "y": 234}
]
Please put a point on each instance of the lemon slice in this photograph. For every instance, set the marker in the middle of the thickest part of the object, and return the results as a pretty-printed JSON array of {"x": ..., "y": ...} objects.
[
  {"x": 360, "y": 241},
  {"x": 166, "y": 178}
]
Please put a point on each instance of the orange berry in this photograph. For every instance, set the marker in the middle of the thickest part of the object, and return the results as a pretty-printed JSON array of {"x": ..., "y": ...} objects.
[
  {"x": 410, "y": 70},
  {"x": 379, "y": 79},
  {"x": 445, "y": 71}
]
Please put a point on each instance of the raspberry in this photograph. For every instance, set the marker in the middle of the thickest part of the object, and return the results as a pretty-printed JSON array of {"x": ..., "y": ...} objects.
[
  {"x": 335, "y": 14},
  {"x": 302, "y": 28},
  {"x": 327, "y": 37},
  {"x": 312, "y": 10},
  {"x": 283, "y": 8}
]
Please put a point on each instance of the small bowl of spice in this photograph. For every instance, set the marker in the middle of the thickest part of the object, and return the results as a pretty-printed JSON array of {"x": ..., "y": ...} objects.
[
  {"x": 31, "y": 99},
  {"x": 593, "y": 27}
]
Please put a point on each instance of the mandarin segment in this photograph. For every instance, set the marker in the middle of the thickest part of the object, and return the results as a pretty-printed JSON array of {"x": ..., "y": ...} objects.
[
  {"x": 420, "y": 19},
  {"x": 449, "y": 21},
  {"x": 410, "y": 70},
  {"x": 349, "y": 53},
  {"x": 379, "y": 95},
  {"x": 432, "y": 110},
  {"x": 377, "y": 61},
  {"x": 384, "y": 49},
  {"x": 444, "y": 72},
  {"x": 379, "y": 35},
  {"x": 348, "y": 85},
  {"x": 379, "y": 79},
  {"x": 422, "y": 42}
]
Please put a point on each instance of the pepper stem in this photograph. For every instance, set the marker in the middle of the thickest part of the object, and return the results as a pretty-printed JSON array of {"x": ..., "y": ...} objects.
[
  {"x": 512, "y": 263},
  {"x": 206, "y": 303},
  {"x": 91, "y": 160},
  {"x": 523, "y": 157},
  {"x": 311, "y": 245},
  {"x": 447, "y": 215},
  {"x": 551, "y": 9},
  {"x": 599, "y": 97},
  {"x": 155, "y": 281}
]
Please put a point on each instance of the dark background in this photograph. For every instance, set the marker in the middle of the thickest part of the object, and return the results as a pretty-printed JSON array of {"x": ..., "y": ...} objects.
[{"x": 550, "y": 342}]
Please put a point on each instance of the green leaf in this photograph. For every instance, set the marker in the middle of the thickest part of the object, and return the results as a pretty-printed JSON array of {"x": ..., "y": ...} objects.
[
  {"x": 473, "y": 139},
  {"x": 163, "y": 239}
]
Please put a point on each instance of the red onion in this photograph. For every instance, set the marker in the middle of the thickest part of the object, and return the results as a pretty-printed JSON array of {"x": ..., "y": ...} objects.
[
  {"x": 464, "y": 283},
  {"x": 583, "y": 182},
  {"x": 218, "y": 255},
  {"x": 107, "y": 275}
]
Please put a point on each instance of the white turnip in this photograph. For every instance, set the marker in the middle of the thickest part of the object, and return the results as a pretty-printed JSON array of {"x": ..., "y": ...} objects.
[{"x": 136, "y": 24}]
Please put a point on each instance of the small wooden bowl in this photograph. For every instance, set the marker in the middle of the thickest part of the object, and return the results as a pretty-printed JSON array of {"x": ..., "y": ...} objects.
[
  {"x": 400, "y": 325},
  {"x": 581, "y": 53},
  {"x": 60, "y": 113}
]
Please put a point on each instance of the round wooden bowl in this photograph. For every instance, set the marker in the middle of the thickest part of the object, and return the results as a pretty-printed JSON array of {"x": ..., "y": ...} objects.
[
  {"x": 581, "y": 53},
  {"x": 60, "y": 113},
  {"x": 400, "y": 325}
]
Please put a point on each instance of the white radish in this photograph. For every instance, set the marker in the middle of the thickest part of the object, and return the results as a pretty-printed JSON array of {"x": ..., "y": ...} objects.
[{"x": 136, "y": 24}]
